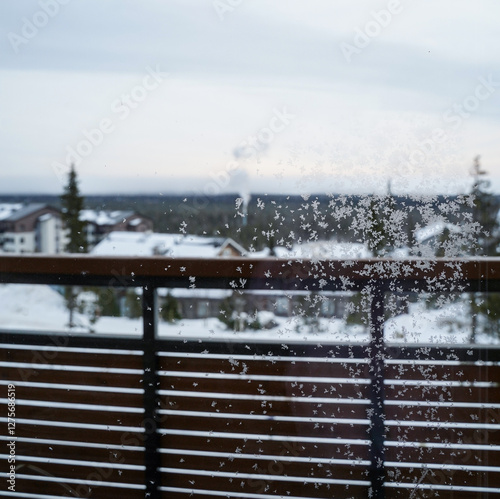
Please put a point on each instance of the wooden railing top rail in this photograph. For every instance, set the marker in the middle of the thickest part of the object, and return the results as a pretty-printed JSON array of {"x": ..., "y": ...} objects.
[{"x": 262, "y": 273}]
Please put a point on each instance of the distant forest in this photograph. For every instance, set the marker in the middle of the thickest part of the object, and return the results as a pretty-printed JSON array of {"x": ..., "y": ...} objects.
[{"x": 271, "y": 219}]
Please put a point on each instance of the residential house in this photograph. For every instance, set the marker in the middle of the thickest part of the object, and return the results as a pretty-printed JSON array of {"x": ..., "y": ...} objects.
[
  {"x": 122, "y": 243},
  {"x": 100, "y": 223},
  {"x": 431, "y": 240},
  {"x": 31, "y": 228},
  {"x": 38, "y": 227}
]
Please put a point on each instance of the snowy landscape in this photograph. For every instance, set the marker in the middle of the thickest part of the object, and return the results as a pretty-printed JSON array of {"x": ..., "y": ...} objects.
[
  {"x": 259, "y": 248},
  {"x": 41, "y": 308}
]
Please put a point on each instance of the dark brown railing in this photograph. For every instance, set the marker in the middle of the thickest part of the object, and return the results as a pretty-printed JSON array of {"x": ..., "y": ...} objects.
[{"x": 100, "y": 416}]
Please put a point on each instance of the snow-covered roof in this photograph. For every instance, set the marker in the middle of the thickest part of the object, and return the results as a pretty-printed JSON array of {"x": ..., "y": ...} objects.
[
  {"x": 45, "y": 217},
  {"x": 281, "y": 252},
  {"x": 119, "y": 243},
  {"x": 434, "y": 230},
  {"x": 17, "y": 211},
  {"x": 264, "y": 253},
  {"x": 197, "y": 293},
  {"x": 6, "y": 209},
  {"x": 325, "y": 250},
  {"x": 402, "y": 252},
  {"x": 235, "y": 245},
  {"x": 105, "y": 217},
  {"x": 273, "y": 293}
]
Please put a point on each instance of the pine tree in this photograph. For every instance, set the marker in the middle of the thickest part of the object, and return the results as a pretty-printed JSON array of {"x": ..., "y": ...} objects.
[
  {"x": 309, "y": 309},
  {"x": 379, "y": 234},
  {"x": 169, "y": 312},
  {"x": 232, "y": 314},
  {"x": 485, "y": 213},
  {"x": 72, "y": 205}
]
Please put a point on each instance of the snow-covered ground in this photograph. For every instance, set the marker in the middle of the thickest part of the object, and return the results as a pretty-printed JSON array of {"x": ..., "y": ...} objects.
[
  {"x": 35, "y": 307},
  {"x": 448, "y": 324},
  {"x": 42, "y": 308}
]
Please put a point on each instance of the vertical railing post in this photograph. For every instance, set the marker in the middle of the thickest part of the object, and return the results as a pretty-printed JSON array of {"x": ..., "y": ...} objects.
[
  {"x": 377, "y": 418},
  {"x": 150, "y": 379}
]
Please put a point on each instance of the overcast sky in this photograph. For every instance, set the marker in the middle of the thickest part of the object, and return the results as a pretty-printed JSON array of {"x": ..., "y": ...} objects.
[{"x": 309, "y": 96}]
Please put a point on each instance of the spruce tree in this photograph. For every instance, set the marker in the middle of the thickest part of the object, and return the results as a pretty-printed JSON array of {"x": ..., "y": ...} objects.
[
  {"x": 72, "y": 205},
  {"x": 485, "y": 212},
  {"x": 379, "y": 235},
  {"x": 170, "y": 310},
  {"x": 485, "y": 215}
]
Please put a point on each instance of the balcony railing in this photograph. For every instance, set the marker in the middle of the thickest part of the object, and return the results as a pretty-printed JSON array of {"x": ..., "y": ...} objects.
[{"x": 150, "y": 416}]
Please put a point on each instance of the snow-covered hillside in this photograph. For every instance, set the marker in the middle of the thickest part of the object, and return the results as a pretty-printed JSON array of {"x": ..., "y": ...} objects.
[{"x": 35, "y": 307}]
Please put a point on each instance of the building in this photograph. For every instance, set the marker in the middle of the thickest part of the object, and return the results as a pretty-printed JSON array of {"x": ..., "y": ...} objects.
[
  {"x": 31, "y": 228},
  {"x": 430, "y": 240},
  {"x": 122, "y": 243},
  {"x": 38, "y": 227},
  {"x": 100, "y": 223}
]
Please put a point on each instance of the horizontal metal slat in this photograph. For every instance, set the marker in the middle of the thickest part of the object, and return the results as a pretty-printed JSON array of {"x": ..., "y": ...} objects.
[
  {"x": 26, "y": 484},
  {"x": 72, "y": 469},
  {"x": 269, "y": 427},
  {"x": 444, "y": 474},
  {"x": 464, "y": 454},
  {"x": 299, "y": 407},
  {"x": 268, "y": 485},
  {"x": 55, "y": 450},
  {"x": 55, "y": 374},
  {"x": 433, "y": 433},
  {"x": 445, "y": 392},
  {"x": 91, "y": 357},
  {"x": 398, "y": 491},
  {"x": 78, "y": 434},
  {"x": 277, "y": 465},
  {"x": 82, "y": 416},
  {"x": 275, "y": 446},
  {"x": 281, "y": 367},
  {"x": 109, "y": 396},
  {"x": 456, "y": 372},
  {"x": 445, "y": 413},
  {"x": 241, "y": 385}
]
